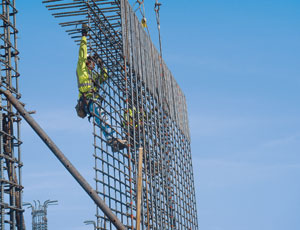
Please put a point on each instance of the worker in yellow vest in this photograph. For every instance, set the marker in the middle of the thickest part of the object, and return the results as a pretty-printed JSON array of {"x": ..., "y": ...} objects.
[
  {"x": 88, "y": 80},
  {"x": 88, "y": 85},
  {"x": 130, "y": 118},
  {"x": 134, "y": 119}
]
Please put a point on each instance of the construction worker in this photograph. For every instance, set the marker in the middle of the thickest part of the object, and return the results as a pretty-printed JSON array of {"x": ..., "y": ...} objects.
[
  {"x": 88, "y": 85},
  {"x": 134, "y": 114},
  {"x": 134, "y": 119},
  {"x": 88, "y": 81}
]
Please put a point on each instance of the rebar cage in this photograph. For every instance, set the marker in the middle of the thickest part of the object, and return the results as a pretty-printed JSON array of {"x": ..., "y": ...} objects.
[
  {"x": 11, "y": 212},
  {"x": 39, "y": 213},
  {"x": 142, "y": 103},
  {"x": 39, "y": 220}
]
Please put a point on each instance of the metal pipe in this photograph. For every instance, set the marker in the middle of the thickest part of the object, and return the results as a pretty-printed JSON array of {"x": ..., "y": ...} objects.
[{"x": 62, "y": 158}]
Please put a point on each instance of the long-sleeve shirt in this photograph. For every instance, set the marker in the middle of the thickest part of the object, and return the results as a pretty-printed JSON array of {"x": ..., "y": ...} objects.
[{"x": 85, "y": 77}]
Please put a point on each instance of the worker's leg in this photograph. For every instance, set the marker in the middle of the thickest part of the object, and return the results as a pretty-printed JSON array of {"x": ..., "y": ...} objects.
[{"x": 94, "y": 111}]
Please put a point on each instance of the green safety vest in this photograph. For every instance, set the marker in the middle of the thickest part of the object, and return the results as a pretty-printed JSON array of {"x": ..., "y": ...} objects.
[
  {"x": 85, "y": 77},
  {"x": 131, "y": 117}
]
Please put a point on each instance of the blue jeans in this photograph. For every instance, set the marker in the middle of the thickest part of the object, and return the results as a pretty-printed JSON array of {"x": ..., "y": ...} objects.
[{"x": 93, "y": 110}]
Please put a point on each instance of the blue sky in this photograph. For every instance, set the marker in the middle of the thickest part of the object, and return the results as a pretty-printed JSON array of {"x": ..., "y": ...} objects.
[{"x": 238, "y": 65}]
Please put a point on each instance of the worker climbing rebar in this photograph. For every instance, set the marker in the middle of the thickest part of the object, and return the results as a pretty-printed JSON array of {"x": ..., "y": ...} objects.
[
  {"x": 134, "y": 121},
  {"x": 89, "y": 82}
]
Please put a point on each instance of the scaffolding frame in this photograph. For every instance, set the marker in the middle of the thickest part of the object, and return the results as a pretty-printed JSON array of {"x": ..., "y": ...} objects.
[
  {"x": 140, "y": 84},
  {"x": 11, "y": 212}
]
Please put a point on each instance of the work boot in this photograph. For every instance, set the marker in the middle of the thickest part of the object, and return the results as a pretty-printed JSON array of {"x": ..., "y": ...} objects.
[
  {"x": 117, "y": 144},
  {"x": 85, "y": 29},
  {"x": 122, "y": 143}
]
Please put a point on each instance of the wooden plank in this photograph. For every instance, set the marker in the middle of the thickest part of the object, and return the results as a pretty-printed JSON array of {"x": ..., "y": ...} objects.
[{"x": 139, "y": 190}]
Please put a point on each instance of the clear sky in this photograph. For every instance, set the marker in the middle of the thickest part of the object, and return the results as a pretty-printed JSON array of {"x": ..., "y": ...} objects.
[{"x": 238, "y": 63}]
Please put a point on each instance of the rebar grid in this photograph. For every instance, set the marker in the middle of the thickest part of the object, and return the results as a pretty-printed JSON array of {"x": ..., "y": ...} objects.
[
  {"x": 11, "y": 212},
  {"x": 139, "y": 81}
]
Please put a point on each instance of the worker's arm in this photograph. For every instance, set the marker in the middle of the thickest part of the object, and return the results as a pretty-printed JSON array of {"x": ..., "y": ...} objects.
[
  {"x": 82, "y": 57},
  {"x": 102, "y": 77}
]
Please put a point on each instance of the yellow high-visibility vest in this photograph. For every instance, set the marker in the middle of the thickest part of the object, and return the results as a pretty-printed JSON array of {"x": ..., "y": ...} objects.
[
  {"x": 131, "y": 117},
  {"x": 85, "y": 77}
]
